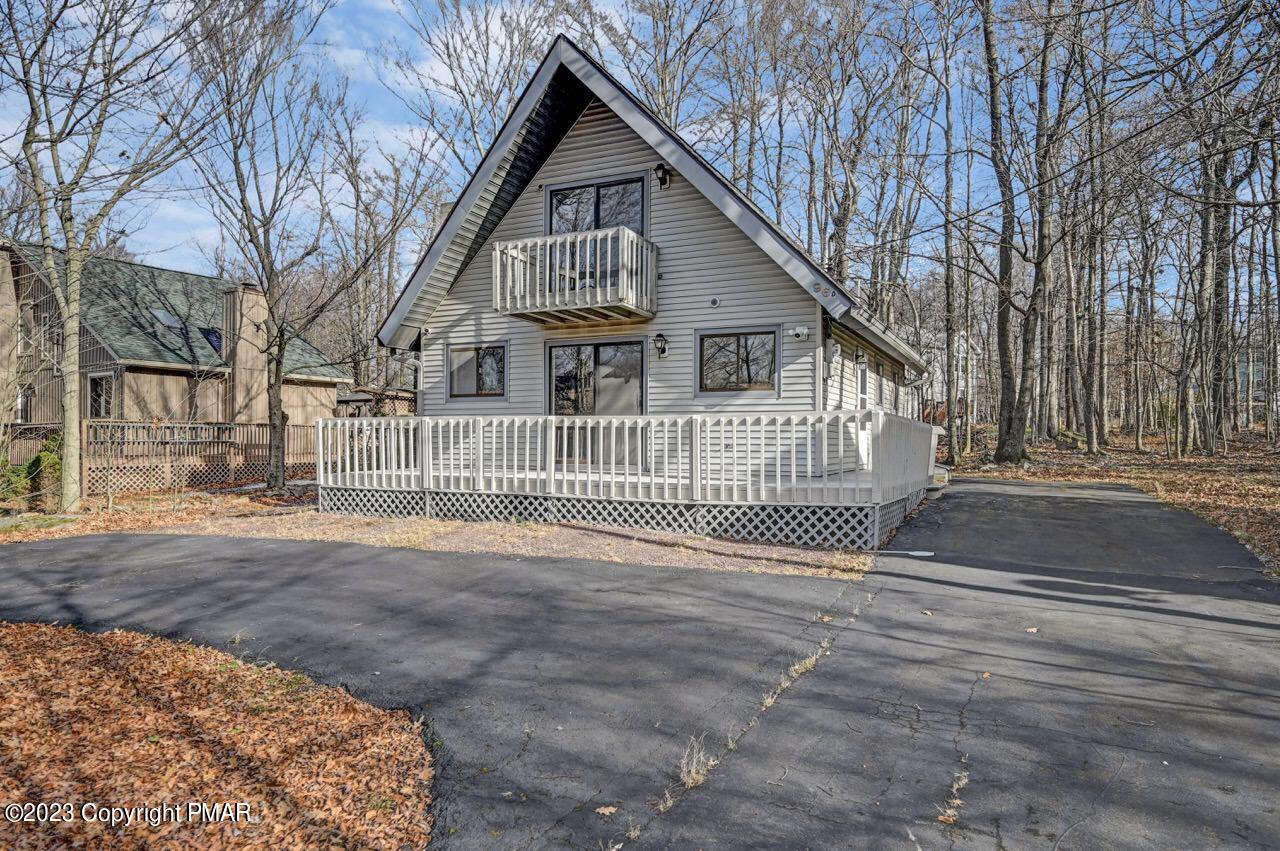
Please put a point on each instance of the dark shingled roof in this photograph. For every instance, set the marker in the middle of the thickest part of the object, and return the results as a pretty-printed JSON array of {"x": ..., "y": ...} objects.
[{"x": 145, "y": 313}]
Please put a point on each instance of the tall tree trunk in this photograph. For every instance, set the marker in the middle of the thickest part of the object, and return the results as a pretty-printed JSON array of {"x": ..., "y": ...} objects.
[{"x": 1011, "y": 437}]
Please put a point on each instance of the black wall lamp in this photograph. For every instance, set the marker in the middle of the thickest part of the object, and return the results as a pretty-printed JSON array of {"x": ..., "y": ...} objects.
[
  {"x": 660, "y": 345},
  {"x": 662, "y": 174}
]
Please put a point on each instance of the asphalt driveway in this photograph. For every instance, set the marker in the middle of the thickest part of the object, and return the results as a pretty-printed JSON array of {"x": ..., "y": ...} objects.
[
  {"x": 552, "y": 687},
  {"x": 1072, "y": 667}
]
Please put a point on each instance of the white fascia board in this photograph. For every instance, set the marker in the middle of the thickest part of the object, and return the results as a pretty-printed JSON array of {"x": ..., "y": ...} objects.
[
  {"x": 470, "y": 196},
  {"x": 883, "y": 338}
]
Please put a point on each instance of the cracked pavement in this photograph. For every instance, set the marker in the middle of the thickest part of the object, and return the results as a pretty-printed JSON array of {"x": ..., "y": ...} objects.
[
  {"x": 1141, "y": 713},
  {"x": 551, "y": 687}
]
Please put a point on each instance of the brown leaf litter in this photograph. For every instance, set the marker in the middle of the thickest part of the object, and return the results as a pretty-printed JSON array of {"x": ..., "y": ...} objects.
[
  {"x": 122, "y": 719},
  {"x": 262, "y": 516}
]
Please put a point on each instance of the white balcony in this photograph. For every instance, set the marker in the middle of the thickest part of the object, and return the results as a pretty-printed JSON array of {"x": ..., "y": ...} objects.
[{"x": 589, "y": 278}]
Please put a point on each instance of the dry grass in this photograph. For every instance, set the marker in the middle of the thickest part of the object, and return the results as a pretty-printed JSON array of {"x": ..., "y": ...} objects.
[
  {"x": 1239, "y": 491},
  {"x": 259, "y": 516},
  {"x": 949, "y": 813},
  {"x": 797, "y": 670},
  {"x": 696, "y": 764},
  {"x": 123, "y": 719}
]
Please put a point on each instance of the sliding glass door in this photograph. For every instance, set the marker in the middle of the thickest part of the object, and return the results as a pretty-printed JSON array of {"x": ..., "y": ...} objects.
[{"x": 597, "y": 379}]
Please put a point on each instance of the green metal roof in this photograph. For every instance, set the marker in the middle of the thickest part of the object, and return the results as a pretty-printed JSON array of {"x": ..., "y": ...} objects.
[{"x": 145, "y": 313}]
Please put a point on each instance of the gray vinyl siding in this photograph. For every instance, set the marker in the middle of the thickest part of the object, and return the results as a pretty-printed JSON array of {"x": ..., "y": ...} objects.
[
  {"x": 842, "y": 384},
  {"x": 701, "y": 254}
]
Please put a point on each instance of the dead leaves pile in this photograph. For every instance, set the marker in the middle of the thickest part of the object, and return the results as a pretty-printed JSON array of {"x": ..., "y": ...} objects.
[
  {"x": 123, "y": 719},
  {"x": 1239, "y": 492},
  {"x": 148, "y": 512}
]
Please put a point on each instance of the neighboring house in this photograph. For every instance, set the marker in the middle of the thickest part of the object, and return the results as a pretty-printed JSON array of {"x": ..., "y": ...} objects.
[
  {"x": 603, "y": 315},
  {"x": 934, "y": 387},
  {"x": 155, "y": 344}
]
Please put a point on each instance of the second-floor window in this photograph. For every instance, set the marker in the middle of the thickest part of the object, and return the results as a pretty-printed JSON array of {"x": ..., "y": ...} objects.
[
  {"x": 26, "y": 328},
  {"x": 22, "y": 410},
  {"x": 617, "y": 203}
]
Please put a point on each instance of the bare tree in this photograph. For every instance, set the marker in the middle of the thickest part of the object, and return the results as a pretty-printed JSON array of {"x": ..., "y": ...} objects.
[
  {"x": 108, "y": 103},
  {"x": 478, "y": 58},
  {"x": 663, "y": 47},
  {"x": 271, "y": 172},
  {"x": 390, "y": 201}
]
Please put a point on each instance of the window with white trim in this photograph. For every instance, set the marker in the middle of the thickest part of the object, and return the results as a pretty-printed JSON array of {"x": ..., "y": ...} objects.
[
  {"x": 478, "y": 371},
  {"x": 734, "y": 361}
]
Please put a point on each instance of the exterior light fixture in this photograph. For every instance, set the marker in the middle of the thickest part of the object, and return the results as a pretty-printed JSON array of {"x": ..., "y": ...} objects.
[
  {"x": 662, "y": 174},
  {"x": 660, "y": 345}
]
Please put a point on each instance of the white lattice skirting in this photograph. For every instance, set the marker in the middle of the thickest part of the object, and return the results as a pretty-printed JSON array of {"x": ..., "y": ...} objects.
[{"x": 858, "y": 527}]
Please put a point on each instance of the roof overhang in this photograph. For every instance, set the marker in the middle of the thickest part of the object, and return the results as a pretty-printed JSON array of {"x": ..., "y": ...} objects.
[
  {"x": 565, "y": 82},
  {"x": 879, "y": 335}
]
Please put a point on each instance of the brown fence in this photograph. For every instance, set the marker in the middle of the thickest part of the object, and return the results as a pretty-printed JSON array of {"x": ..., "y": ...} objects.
[
  {"x": 24, "y": 440},
  {"x": 119, "y": 457}
]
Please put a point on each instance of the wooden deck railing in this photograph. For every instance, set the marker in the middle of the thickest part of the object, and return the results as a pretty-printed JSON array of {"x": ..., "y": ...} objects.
[
  {"x": 577, "y": 276},
  {"x": 119, "y": 456},
  {"x": 836, "y": 458}
]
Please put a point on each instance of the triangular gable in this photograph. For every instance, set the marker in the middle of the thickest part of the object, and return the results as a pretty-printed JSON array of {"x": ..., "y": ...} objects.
[{"x": 565, "y": 82}]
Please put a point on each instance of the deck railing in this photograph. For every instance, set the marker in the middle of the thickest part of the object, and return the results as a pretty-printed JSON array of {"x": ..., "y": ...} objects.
[
  {"x": 835, "y": 458},
  {"x": 609, "y": 271}
]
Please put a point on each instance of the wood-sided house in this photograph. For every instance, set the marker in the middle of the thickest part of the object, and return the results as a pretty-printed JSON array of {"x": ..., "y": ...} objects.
[
  {"x": 606, "y": 328},
  {"x": 155, "y": 345}
]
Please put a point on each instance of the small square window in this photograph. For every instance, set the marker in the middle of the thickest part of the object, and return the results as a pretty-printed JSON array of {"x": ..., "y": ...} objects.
[
  {"x": 477, "y": 371},
  {"x": 738, "y": 361}
]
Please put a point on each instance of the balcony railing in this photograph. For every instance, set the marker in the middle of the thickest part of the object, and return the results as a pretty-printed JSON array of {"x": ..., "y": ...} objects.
[
  {"x": 836, "y": 458},
  {"x": 592, "y": 277}
]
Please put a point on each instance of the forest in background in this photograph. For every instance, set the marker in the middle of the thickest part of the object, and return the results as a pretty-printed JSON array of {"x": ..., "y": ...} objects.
[{"x": 1069, "y": 206}]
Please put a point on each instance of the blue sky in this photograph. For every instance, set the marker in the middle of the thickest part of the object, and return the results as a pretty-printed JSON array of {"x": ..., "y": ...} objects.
[{"x": 169, "y": 227}]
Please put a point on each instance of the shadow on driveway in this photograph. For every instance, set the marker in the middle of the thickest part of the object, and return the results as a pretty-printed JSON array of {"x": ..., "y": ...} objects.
[
  {"x": 1074, "y": 667},
  {"x": 1084, "y": 666},
  {"x": 552, "y": 687}
]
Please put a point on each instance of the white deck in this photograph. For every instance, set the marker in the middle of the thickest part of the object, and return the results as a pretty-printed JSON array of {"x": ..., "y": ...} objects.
[{"x": 837, "y": 458}]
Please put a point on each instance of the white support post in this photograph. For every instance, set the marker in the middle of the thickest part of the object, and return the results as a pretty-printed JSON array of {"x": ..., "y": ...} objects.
[
  {"x": 319, "y": 453},
  {"x": 549, "y": 456},
  {"x": 878, "y": 458},
  {"x": 424, "y": 452},
  {"x": 695, "y": 457}
]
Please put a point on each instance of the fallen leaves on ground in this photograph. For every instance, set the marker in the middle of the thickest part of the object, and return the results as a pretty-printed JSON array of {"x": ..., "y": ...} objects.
[
  {"x": 123, "y": 719},
  {"x": 1239, "y": 491},
  {"x": 144, "y": 513},
  {"x": 260, "y": 515},
  {"x": 539, "y": 540},
  {"x": 606, "y": 811}
]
